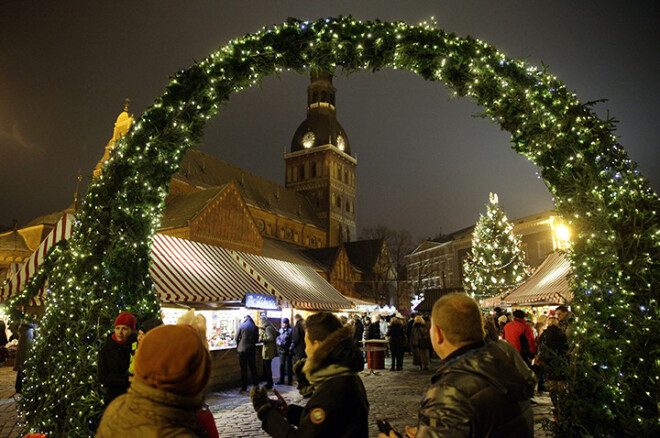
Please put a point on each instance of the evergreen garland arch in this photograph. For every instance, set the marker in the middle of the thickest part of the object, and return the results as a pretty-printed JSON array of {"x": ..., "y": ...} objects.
[{"x": 609, "y": 204}]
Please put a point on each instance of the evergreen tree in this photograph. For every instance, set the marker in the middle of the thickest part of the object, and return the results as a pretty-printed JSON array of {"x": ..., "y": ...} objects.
[{"x": 497, "y": 261}]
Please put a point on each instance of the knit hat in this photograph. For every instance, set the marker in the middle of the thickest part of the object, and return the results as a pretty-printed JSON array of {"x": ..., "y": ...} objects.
[
  {"x": 126, "y": 319},
  {"x": 173, "y": 358},
  {"x": 150, "y": 324},
  {"x": 519, "y": 314}
]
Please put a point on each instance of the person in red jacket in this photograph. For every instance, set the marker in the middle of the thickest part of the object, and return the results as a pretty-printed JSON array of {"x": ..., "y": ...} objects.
[{"x": 521, "y": 336}]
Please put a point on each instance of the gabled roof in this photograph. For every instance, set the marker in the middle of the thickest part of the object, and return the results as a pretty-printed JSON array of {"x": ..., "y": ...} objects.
[
  {"x": 51, "y": 218},
  {"x": 201, "y": 170},
  {"x": 364, "y": 254},
  {"x": 13, "y": 241},
  {"x": 325, "y": 258},
  {"x": 288, "y": 252},
  {"x": 181, "y": 209}
]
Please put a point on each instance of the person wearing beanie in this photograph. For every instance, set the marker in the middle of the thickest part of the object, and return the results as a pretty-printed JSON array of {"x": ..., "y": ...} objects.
[
  {"x": 172, "y": 368},
  {"x": 148, "y": 325},
  {"x": 285, "y": 351},
  {"x": 115, "y": 357}
]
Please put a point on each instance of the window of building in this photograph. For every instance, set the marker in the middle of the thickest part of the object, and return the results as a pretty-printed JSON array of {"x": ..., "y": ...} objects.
[{"x": 338, "y": 202}]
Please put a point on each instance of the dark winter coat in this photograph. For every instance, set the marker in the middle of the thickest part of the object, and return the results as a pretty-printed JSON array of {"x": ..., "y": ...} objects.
[
  {"x": 396, "y": 334},
  {"x": 338, "y": 406},
  {"x": 552, "y": 351},
  {"x": 358, "y": 331},
  {"x": 420, "y": 337},
  {"x": 26, "y": 334},
  {"x": 285, "y": 341},
  {"x": 3, "y": 334},
  {"x": 482, "y": 392},
  {"x": 298, "y": 339},
  {"x": 114, "y": 360},
  {"x": 373, "y": 332},
  {"x": 247, "y": 335}
]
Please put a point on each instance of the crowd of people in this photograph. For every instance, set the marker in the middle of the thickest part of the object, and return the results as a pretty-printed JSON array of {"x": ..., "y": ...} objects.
[{"x": 490, "y": 367}]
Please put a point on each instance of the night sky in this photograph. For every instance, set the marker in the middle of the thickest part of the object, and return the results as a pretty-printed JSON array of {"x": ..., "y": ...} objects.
[{"x": 425, "y": 164}]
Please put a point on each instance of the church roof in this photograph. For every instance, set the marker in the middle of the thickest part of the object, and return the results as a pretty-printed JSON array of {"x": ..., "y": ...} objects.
[
  {"x": 324, "y": 257},
  {"x": 50, "y": 218},
  {"x": 203, "y": 170},
  {"x": 179, "y": 210},
  {"x": 288, "y": 252},
  {"x": 13, "y": 241},
  {"x": 364, "y": 254}
]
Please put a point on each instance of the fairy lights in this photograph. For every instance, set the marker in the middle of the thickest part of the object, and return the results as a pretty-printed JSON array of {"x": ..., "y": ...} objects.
[
  {"x": 496, "y": 263},
  {"x": 608, "y": 204}
]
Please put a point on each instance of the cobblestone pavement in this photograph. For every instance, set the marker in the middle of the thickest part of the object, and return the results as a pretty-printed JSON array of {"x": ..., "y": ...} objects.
[
  {"x": 8, "y": 426},
  {"x": 392, "y": 395}
]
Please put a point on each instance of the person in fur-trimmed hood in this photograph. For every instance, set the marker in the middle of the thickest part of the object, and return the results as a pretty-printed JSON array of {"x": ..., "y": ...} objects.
[{"x": 339, "y": 405}]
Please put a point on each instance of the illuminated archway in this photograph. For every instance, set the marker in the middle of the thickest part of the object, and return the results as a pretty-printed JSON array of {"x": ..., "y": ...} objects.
[{"x": 598, "y": 190}]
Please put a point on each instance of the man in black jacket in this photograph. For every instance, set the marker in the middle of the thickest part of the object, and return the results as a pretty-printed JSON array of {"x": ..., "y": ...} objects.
[
  {"x": 298, "y": 338},
  {"x": 246, "y": 347},
  {"x": 338, "y": 406},
  {"x": 482, "y": 389}
]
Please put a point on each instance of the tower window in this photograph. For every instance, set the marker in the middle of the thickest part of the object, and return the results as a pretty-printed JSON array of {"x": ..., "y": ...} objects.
[{"x": 338, "y": 202}]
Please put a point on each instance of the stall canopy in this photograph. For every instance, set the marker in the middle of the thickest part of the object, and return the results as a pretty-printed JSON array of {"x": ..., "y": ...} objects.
[
  {"x": 495, "y": 301},
  {"x": 187, "y": 271},
  {"x": 298, "y": 285},
  {"x": 62, "y": 230},
  {"x": 550, "y": 284},
  {"x": 184, "y": 271}
]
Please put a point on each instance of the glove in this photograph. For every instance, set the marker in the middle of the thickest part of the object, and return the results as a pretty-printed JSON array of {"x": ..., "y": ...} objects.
[
  {"x": 304, "y": 387},
  {"x": 260, "y": 400}
]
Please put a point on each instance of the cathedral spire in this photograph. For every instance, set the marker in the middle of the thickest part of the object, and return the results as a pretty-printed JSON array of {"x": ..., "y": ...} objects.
[{"x": 122, "y": 125}]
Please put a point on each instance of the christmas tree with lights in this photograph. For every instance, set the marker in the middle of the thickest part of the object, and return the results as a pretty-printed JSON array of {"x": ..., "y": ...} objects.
[{"x": 497, "y": 262}]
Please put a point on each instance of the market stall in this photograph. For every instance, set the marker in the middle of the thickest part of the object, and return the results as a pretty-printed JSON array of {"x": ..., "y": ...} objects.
[
  {"x": 549, "y": 285},
  {"x": 225, "y": 285}
]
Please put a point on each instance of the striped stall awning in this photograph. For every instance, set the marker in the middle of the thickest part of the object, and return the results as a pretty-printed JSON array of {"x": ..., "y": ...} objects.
[
  {"x": 550, "y": 284},
  {"x": 63, "y": 229},
  {"x": 184, "y": 271},
  {"x": 299, "y": 286},
  {"x": 491, "y": 302}
]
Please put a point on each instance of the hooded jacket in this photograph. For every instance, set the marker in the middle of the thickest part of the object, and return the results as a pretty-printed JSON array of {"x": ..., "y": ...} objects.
[
  {"x": 268, "y": 337},
  {"x": 148, "y": 412},
  {"x": 484, "y": 392},
  {"x": 338, "y": 406}
]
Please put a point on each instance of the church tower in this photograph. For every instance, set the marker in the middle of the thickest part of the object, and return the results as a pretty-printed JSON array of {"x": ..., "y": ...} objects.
[
  {"x": 320, "y": 164},
  {"x": 122, "y": 125}
]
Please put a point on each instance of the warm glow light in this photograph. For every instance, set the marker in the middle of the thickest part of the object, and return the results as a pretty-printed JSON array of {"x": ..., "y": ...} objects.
[{"x": 563, "y": 233}]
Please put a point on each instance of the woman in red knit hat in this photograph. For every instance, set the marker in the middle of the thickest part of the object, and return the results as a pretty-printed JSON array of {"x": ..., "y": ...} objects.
[{"x": 115, "y": 358}]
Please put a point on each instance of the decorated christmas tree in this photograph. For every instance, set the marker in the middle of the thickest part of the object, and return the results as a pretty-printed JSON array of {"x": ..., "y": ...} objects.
[{"x": 497, "y": 261}]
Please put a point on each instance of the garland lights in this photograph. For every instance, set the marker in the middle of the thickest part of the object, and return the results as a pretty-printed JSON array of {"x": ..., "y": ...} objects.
[
  {"x": 615, "y": 388},
  {"x": 496, "y": 263}
]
